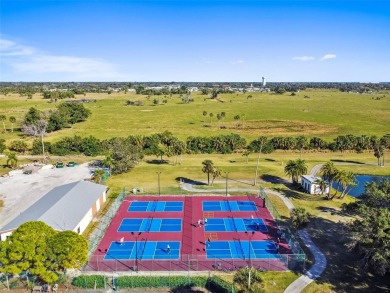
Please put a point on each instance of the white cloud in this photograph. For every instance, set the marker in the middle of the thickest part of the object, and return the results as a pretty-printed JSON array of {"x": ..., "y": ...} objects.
[
  {"x": 304, "y": 58},
  {"x": 10, "y": 48},
  {"x": 238, "y": 62},
  {"x": 23, "y": 59},
  {"x": 328, "y": 56}
]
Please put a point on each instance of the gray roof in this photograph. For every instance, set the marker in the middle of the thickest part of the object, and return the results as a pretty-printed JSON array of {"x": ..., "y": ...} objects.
[
  {"x": 62, "y": 208},
  {"x": 311, "y": 178}
]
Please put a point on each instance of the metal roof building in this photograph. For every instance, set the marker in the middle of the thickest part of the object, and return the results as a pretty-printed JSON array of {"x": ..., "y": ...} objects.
[{"x": 66, "y": 207}]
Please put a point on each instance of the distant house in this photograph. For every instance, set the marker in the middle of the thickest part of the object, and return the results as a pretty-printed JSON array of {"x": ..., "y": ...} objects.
[
  {"x": 66, "y": 207},
  {"x": 308, "y": 183}
]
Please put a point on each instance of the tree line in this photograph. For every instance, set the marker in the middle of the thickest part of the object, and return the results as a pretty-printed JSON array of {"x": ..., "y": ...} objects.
[{"x": 167, "y": 145}]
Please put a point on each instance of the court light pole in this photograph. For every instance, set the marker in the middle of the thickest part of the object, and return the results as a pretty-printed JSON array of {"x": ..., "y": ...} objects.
[
  {"x": 158, "y": 176},
  {"x": 250, "y": 235},
  {"x": 227, "y": 178},
  {"x": 136, "y": 248}
]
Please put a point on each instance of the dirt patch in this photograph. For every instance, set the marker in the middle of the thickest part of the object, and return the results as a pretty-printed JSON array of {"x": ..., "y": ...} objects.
[{"x": 281, "y": 127}]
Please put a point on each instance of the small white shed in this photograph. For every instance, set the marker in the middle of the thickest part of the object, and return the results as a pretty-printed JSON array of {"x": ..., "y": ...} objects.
[{"x": 309, "y": 185}]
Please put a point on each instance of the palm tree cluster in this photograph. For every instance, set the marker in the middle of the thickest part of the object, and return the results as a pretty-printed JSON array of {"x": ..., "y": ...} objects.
[
  {"x": 211, "y": 170},
  {"x": 295, "y": 169},
  {"x": 344, "y": 179}
]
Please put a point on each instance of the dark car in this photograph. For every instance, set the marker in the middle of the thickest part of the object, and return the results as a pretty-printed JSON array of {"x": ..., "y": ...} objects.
[
  {"x": 27, "y": 172},
  {"x": 60, "y": 165}
]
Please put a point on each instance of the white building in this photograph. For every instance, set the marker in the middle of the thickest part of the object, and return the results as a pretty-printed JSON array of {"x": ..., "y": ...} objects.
[
  {"x": 309, "y": 185},
  {"x": 66, "y": 207}
]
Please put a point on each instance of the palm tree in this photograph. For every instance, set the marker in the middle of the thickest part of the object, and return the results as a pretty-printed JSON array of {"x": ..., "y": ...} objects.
[
  {"x": 12, "y": 119},
  {"x": 236, "y": 118},
  {"x": 3, "y": 118},
  {"x": 98, "y": 175},
  {"x": 322, "y": 184},
  {"x": 218, "y": 118},
  {"x": 261, "y": 142},
  {"x": 329, "y": 172},
  {"x": 295, "y": 169},
  {"x": 12, "y": 160},
  {"x": 208, "y": 167},
  {"x": 108, "y": 162},
  {"x": 211, "y": 118},
  {"x": 204, "y": 117},
  {"x": 216, "y": 173},
  {"x": 248, "y": 280},
  {"x": 348, "y": 181}
]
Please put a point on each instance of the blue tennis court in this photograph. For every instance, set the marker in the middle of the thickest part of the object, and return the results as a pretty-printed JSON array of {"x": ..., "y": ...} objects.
[
  {"x": 241, "y": 249},
  {"x": 227, "y": 205},
  {"x": 235, "y": 224},
  {"x": 150, "y": 225},
  {"x": 144, "y": 250},
  {"x": 156, "y": 206}
]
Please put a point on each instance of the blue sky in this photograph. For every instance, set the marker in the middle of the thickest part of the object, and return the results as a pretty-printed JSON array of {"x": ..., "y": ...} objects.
[{"x": 183, "y": 40}]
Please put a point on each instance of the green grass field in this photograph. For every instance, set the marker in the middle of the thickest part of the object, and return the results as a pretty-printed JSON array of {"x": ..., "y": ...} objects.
[{"x": 325, "y": 114}]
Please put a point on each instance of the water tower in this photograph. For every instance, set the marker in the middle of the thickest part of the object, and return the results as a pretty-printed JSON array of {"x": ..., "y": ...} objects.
[{"x": 264, "y": 81}]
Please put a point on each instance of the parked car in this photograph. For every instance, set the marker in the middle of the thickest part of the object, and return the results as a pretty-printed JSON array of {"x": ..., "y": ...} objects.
[
  {"x": 71, "y": 164},
  {"x": 59, "y": 165},
  {"x": 27, "y": 172}
]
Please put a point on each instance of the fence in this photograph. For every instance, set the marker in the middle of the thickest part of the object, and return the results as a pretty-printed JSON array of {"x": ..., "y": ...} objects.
[
  {"x": 288, "y": 234},
  {"x": 100, "y": 230},
  {"x": 281, "y": 262}
]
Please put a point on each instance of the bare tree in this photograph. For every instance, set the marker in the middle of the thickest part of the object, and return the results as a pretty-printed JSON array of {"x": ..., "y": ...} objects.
[{"x": 37, "y": 129}]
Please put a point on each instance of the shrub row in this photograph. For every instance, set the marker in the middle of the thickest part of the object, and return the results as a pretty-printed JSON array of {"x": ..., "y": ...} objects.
[{"x": 214, "y": 284}]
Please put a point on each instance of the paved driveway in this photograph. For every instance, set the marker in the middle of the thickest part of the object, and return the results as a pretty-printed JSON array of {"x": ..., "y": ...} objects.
[{"x": 20, "y": 191}]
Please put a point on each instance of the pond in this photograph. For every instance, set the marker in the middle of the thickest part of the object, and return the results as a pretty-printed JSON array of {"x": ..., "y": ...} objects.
[{"x": 361, "y": 180}]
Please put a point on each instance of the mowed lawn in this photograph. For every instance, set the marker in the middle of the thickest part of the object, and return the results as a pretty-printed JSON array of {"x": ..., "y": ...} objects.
[{"x": 312, "y": 113}]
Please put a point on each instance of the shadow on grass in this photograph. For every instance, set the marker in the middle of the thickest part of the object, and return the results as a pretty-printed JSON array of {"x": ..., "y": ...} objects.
[
  {"x": 347, "y": 161},
  {"x": 157, "y": 162},
  {"x": 190, "y": 181},
  {"x": 186, "y": 289},
  {"x": 342, "y": 269},
  {"x": 273, "y": 179},
  {"x": 333, "y": 211},
  {"x": 291, "y": 193}
]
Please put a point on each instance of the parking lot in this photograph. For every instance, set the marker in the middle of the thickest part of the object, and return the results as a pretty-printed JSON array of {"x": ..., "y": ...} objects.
[{"x": 19, "y": 191}]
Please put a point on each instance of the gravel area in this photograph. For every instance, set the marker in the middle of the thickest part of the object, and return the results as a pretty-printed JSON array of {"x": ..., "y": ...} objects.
[{"x": 20, "y": 191}]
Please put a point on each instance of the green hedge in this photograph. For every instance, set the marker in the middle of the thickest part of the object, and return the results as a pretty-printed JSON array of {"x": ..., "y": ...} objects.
[
  {"x": 155, "y": 281},
  {"x": 214, "y": 284},
  {"x": 89, "y": 281}
]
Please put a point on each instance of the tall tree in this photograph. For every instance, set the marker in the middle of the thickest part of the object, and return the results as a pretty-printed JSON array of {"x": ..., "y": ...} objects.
[
  {"x": 66, "y": 250},
  {"x": 261, "y": 141},
  {"x": 208, "y": 168},
  {"x": 108, "y": 162},
  {"x": 25, "y": 249},
  {"x": 329, "y": 172},
  {"x": 301, "y": 144},
  {"x": 3, "y": 118},
  {"x": 204, "y": 117},
  {"x": 246, "y": 154},
  {"x": 216, "y": 173},
  {"x": 37, "y": 128},
  {"x": 98, "y": 175},
  {"x": 295, "y": 169},
  {"x": 211, "y": 118},
  {"x": 12, "y": 119}
]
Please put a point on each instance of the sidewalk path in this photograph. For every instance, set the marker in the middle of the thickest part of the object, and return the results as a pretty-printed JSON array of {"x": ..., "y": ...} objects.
[{"x": 319, "y": 258}]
